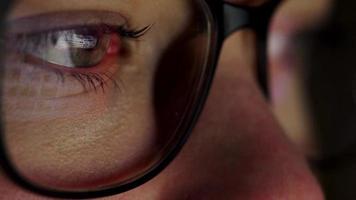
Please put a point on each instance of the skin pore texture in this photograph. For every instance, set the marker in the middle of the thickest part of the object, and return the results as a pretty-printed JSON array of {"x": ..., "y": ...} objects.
[
  {"x": 236, "y": 151},
  {"x": 62, "y": 135}
]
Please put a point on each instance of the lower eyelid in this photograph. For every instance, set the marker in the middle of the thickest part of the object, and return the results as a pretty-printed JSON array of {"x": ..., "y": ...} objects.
[
  {"x": 62, "y": 83},
  {"x": 100, "y": 78}
]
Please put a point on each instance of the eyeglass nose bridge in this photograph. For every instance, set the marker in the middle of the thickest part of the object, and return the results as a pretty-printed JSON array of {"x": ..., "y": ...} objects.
[{"x": 258, "y": 19}]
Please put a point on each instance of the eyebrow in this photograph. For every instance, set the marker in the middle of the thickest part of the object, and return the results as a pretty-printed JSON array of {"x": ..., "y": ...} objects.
[{"x": 60, "y": 19}]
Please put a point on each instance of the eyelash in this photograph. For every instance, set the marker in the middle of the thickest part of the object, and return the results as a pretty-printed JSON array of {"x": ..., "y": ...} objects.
[
  {"x": 133, "y": 34},
  {"x": 93, "y": 80}
]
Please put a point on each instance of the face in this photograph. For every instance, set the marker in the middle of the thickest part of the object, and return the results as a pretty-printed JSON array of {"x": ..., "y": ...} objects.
[{"x": 236, "y": 151}]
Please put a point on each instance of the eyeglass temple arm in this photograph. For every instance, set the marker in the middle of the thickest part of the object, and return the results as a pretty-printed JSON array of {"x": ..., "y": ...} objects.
[{"x": 257, "y": 19}]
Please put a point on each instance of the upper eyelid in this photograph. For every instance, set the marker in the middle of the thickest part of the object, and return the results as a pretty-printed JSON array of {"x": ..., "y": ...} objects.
[
  {"x": 59, "y": 20},
  {"x": 22, "y": 39}
]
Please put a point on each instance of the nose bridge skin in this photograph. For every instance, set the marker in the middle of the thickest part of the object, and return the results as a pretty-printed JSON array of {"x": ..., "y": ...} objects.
[{"x": 237, "y": 150}]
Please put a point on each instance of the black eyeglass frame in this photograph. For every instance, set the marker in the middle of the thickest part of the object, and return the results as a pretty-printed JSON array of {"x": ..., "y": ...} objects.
[{"x": 227, "y": 19}]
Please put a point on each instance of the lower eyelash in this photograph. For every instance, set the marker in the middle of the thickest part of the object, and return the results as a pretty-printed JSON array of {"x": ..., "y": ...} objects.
[
  {"x": 89, "y": 80},
  {"x": 93, "y": 81}
]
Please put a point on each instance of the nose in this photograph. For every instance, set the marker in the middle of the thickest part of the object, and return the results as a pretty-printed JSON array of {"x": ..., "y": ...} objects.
[{"x": 238, "y": 150}]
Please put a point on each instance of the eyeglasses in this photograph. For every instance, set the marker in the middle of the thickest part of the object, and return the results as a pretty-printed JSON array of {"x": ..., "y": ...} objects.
[{"x": 98, "y": 100}]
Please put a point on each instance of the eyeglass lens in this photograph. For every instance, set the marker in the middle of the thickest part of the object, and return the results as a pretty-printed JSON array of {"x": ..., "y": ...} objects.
[{"x": 94, "y": 94}]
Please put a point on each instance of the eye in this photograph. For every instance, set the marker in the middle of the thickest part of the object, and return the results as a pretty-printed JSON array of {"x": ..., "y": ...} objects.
[
  {"x": 81, "y": 47},
  {"x": 85, "y": 53}
]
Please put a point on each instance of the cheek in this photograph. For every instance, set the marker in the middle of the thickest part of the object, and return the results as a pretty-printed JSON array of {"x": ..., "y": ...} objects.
[
  {"x": 52, "y": 138},
  {"x": 10, "y": 191}
]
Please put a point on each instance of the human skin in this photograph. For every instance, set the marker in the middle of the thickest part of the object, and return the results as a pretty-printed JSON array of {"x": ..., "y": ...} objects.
[
  {"x": 57, "y": 133},
  {"x": 236, "y": 151}
]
